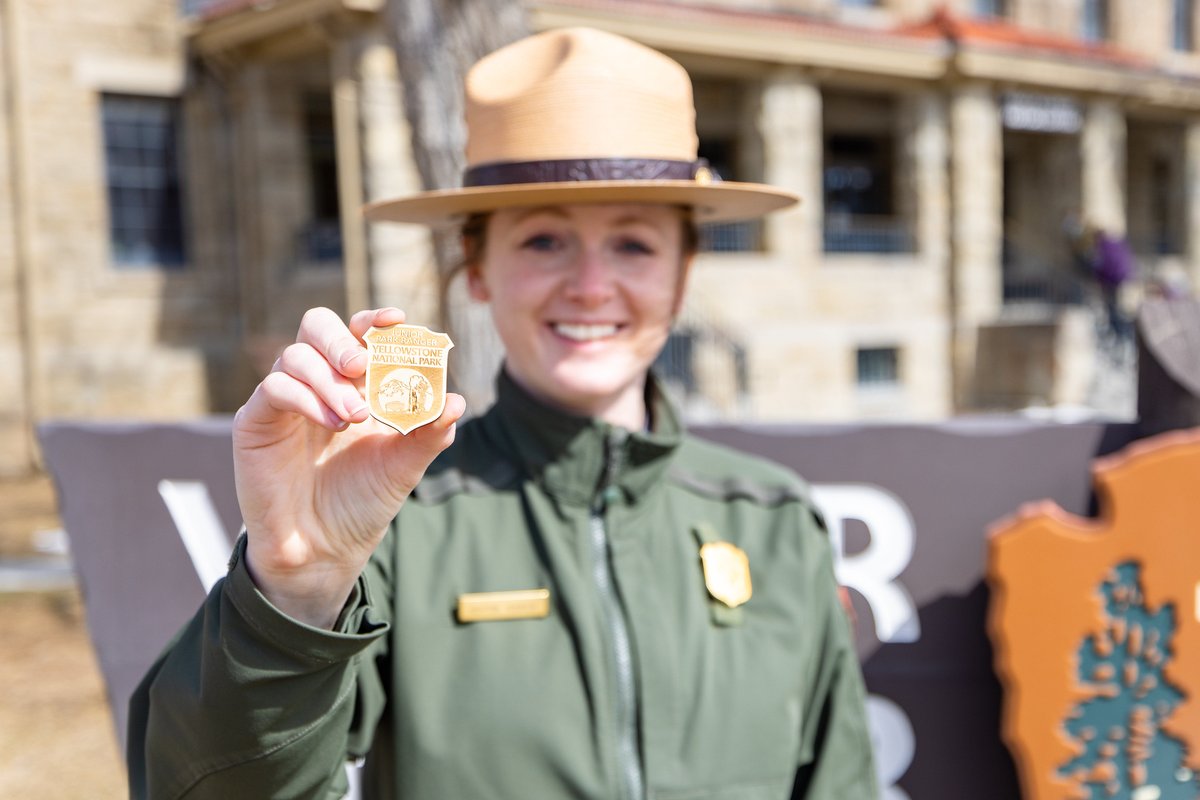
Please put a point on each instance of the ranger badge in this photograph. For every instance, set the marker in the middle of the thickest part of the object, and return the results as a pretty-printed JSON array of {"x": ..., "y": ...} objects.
[
  {"x": 406, "y": 375},
  {"x": 726, "y": 572}
]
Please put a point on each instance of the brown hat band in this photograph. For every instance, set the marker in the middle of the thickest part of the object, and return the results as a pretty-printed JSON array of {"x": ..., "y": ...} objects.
[{"x": 589, "y": 169}]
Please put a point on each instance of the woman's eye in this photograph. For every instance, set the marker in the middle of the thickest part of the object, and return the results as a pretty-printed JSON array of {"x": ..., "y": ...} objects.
[
  {"x": 635, "y": 247},
  {"x": 541, "y": 242}
]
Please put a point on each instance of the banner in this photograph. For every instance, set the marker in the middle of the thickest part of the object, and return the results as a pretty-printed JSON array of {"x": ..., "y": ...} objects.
[{"x": 151, "y": 513}]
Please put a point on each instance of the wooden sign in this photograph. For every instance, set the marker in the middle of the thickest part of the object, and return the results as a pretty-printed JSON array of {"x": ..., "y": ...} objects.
[
  {"x": 1095, "y": 628},
  {"x": 406, "y": 375}
]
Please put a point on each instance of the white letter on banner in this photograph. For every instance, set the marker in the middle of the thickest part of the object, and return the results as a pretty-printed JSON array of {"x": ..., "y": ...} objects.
[
  {"x": 199, "y": 527},
  {"x": 873, "y": 571},
  {"x": 893, "y": 743}
]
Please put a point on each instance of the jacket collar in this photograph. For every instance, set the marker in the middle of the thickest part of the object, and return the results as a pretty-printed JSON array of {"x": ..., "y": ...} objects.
[{"x": 575, "y": 458}]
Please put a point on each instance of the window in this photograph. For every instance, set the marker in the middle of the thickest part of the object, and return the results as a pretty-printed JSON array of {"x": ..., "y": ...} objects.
[
  {"x": 1095, "y": 20},
  {"x": 878, "y": 367},
  {"x": 1163, "y": 213},
  {"x": 992, "y": 9},
  {"x": 192, "y": 8},
  {"x": 726, "y": 237},
  {"x": 141, "y": 154},
  {"x": 860, "y": 208},
  {"x": 322, "y": 234},
  {"x": 1182, "y": 14},
  {"x": 725, "y": 145}
]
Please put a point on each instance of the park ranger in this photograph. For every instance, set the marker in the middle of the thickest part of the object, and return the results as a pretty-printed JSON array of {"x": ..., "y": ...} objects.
[{"x": 566, "y": 597}]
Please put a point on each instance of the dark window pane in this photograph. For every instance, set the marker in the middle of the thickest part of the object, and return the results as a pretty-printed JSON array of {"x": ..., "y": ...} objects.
[
  {"x": 1095, "y": 20},
  {"x": 988, "y": 8},
  {"x": 878, "y": 366},
  {"x": 1182, "y": 13},
  {"x": 142, "y": 169},
  {"x": 859, "y": 197}
]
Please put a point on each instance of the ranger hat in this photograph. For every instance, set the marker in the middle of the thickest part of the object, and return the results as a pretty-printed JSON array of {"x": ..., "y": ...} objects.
[{"x": 581, "y": 116}]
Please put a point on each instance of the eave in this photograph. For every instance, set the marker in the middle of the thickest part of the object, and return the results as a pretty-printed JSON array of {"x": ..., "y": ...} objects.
[
  {"x": 782, "y": 39},
  {"x": 240, "y": 24}
]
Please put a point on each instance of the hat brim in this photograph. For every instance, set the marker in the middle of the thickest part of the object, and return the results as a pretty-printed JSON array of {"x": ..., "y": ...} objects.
[{"x": 723, "y": 201}]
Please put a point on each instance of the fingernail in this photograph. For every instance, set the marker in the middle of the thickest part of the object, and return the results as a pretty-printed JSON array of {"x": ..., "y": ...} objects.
[
  {"x": 335, "y": 422},
  {"x": 358, "y": 411},
  {"x": 349, "y": 360}
]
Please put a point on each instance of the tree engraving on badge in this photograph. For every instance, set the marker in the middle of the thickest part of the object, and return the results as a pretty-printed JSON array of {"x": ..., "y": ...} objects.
[
  {"x": 1123, "y": 751},
  {"x": 406, "y": 375}
]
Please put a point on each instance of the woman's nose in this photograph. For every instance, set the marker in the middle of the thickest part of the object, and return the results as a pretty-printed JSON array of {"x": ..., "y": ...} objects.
[{"x": 591, "y": 281}]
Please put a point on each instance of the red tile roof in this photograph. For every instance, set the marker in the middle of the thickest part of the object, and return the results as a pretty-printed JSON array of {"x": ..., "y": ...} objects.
[
  {"x": 943, "y": 27},
  {"x": 991, "y": 33}
]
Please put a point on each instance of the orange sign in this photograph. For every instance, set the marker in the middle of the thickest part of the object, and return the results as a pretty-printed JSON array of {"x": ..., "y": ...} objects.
[
  {"x": 406, "y": 375},
  {"x": 1096, "y": 632}
]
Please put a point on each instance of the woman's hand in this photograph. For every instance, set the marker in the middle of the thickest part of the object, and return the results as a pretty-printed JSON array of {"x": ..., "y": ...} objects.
[{"x": 318, "y": 480}]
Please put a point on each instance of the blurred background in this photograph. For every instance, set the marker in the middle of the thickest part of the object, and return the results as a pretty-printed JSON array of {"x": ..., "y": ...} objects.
[{"x": 990, "y": 189}]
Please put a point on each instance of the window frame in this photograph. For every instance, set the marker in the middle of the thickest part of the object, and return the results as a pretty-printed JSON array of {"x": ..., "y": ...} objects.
[
  {"x": 149, "y": 174},
  {"x": 892, "y": 373}
]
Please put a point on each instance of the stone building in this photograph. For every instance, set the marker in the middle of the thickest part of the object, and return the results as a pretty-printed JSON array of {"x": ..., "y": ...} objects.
[{"x": 180, "y": 181}]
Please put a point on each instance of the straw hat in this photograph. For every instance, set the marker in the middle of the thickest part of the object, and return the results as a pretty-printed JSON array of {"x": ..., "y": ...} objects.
[{"x": 576, "y": 116}]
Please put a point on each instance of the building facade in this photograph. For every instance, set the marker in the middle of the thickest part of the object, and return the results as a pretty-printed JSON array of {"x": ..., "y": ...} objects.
[{"x": 180, "y": 181}]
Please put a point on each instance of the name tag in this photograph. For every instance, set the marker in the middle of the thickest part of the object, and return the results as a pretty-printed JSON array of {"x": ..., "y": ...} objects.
[{"x": 492, "y": 606}]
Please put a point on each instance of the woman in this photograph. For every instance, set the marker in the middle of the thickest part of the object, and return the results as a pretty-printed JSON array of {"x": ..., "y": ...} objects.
[{"x": 567, "y": 597}]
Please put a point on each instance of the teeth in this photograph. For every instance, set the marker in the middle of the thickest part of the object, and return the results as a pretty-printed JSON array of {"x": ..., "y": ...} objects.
[{"x": 584, "y": 333}]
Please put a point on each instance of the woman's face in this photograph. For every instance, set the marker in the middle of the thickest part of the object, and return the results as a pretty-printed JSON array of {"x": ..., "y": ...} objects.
[{"x": 583, "y": 297}]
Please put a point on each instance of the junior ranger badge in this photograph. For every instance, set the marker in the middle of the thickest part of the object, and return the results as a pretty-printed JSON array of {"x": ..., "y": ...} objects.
[{"x": 406, "y": 375}]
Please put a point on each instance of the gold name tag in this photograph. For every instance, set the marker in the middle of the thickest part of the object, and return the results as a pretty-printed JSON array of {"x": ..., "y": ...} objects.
[{"x": 491, "y": 606}]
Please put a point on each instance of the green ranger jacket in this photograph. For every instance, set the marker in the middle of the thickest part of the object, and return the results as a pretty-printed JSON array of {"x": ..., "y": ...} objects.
[{"x": 637, "y": 684}]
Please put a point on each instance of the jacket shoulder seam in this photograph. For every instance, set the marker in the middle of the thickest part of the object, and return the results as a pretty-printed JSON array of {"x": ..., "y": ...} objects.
[{"x": 737, "y": 487}]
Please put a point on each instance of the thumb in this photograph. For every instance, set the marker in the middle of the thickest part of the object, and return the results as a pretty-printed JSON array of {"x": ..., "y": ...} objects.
[{"x": 418, "y": 448}]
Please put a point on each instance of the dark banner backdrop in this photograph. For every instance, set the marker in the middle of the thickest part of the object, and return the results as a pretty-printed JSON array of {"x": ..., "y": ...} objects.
[{"x": 908, "y": 508}]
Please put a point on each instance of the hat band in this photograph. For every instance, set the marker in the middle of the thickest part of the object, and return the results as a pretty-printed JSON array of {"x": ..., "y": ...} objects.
[{"x": 581, "y": 170}]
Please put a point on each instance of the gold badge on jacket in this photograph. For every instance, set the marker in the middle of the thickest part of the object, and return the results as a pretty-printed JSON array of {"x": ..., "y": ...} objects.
[
  {"x": 406, "y": 375},
  {"x": 726, "y": 572}
]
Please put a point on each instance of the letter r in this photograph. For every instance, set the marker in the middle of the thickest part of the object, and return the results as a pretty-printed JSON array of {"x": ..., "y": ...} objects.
[{"x": 872, "y": 572}]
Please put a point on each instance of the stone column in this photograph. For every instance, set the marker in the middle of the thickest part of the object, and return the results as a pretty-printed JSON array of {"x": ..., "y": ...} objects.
[
  {"x": 400, "y": 257},
  {"x": 790, "y": 126},
  {"x": 248, "y": 101},
  {"x": 345, "y": 70},
  {"x": 1102, "y": 154},
  {"x": 976, "y": 154},
  {"x": 925, "y": 132},
  {"x": 19, "y": 354},
  {"x": 1191, "y": 209}
]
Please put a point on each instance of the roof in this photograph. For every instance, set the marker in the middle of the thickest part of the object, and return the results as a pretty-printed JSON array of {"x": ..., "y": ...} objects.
[
  {"x": 944, "y": 32},
  {"x": 993, "y": 33}
]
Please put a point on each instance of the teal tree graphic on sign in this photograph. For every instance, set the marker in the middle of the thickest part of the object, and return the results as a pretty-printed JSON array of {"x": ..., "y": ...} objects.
[{"x": 1124, "y": 754}]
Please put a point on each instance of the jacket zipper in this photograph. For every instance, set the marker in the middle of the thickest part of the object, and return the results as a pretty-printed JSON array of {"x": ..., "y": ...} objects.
[{"x": 629, "y": 761}]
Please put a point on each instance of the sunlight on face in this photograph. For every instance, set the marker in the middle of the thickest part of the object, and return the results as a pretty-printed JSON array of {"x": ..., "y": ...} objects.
[{"x": 583, "y": 297}]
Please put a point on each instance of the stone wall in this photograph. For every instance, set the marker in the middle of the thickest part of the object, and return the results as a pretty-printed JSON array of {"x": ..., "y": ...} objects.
[{"x": 101, "y": 340}]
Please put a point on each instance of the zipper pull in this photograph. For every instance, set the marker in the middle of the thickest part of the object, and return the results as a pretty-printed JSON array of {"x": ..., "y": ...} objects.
[{"x": 614, "y": 442}]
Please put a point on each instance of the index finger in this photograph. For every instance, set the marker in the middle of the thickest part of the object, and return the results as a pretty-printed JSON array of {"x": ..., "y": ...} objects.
[
  {"x": 323, "y": 331},
  {"x": 363, "y": 321}
]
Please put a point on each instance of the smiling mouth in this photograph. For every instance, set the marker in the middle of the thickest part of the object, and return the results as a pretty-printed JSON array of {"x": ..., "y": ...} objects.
[{"x": 584, "y": 333}]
